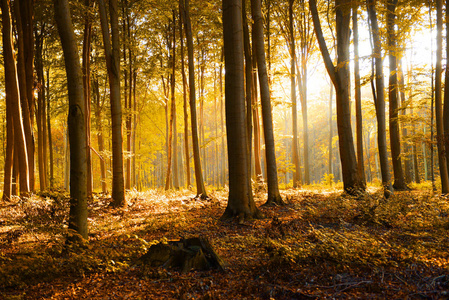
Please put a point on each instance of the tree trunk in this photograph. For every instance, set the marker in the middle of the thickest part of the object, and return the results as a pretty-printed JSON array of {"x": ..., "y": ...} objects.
[
  {"x": 9, "y": 155},
  {"x": 358, "y": 99},
  {"x": 86, "y": 84},
  {"x": 240, "y": 201},
  {"x": 295, "y": 148},
  {"x": 446, "y": 92},
  {"x": 274, "y": 197},
  {"x": 76, "y": 120},
  {"x": 200, "y": 188},
  {"x": 24, "y": 21},
  {"x": 379, "y": 99},
  {"x": 13, "y": 98},
  {"x": 173, "y": 109},
  {"x": 112, "y": 53},
  {"x": 184, "y": 96},
  {"x": 395, "y": 139},
  {"x": 438, "y": 102},
  {"x": 340, "y": 78},
  {"x": 98, "y": 117},
  {"x": 50, "y": 140}
]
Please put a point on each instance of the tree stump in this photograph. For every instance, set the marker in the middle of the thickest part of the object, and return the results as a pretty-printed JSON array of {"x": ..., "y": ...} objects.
[{"x": 186, "y": 254}]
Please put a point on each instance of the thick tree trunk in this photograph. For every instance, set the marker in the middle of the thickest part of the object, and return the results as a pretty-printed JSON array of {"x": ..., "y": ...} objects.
[
  {"x": 76, "y": 120},
  {"x": 340, "y": 78},
  {"x": 274, "y": 197},
  {"x": 379, "y": 100},
  {"x": 112, "y": 53},
  {"x": 358, "y": 98},
  {"x": 438, "y": 102},
  {"x": 200, "y": 188},
  {"x": 240, "y": 201}
]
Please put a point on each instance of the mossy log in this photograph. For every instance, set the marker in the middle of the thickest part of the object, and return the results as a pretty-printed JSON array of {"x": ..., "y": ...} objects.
[{"x": 186, "y": 254}]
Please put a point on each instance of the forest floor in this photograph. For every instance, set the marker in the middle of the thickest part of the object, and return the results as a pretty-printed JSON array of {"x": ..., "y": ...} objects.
[{"x": 321, "y": 245}]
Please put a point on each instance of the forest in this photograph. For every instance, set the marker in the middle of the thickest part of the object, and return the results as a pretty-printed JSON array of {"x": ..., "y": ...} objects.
[{"x": 233, "y": 149}]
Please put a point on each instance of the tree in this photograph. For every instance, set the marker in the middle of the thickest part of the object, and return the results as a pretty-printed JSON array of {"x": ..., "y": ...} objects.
[
  {"x": 446, "y": 93},
  {"x": 200, "y": 188},
  {"x": 379, "y": 101},
  {"x": 274, "y": 197},
  {"x": 340, "y": 78},
  {"x": 395, "y": 143},
  {"x": 112, "y": 53},
  {"x": 295, "y": 150},
  {"x": 17, "y": 136},
  {"x": 76, "y": 121},
  {"x": 438, "y": 102},
  {"x": 358, "y": 98},
  {"x": 240, "y": 202}
]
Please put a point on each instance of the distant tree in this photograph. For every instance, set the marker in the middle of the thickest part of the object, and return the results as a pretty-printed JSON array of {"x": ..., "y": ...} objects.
[
  {"x": 240, "y": 201},
  {"x": 76, "y": 121}
]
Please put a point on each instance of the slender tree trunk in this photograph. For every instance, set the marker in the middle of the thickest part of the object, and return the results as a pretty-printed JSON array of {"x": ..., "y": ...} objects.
[
  {"x": 200, "y": 188},
  {"x": 274, "y": 197},
  {"x": 446, "y": 92},
  {"x": 86, "y": 84},
  {"x": 112, "y": 53},
  {"x": 295, "y": 148},
  {"x": 50, "y": 140},
  {"x": 76, "y": 120},
  {"x": 13, "y": 99},
  {"x": 331, "y": 133},
  {"x": 24, "y": 20},
  {"x": 403, "y": 105},
  {"x": 439, "y": 103},
  {"x": 379, "y": 99},
  {"x": 395, "y": 139},
  {"x": 173, "y": 109},
  {"x": 184, "y": 95},
  {"x": 358, "y": 98},
  {"x": 340, "y": 78},
  {"x": 240, "y": 201},
  {"x": 98, "y": 117}
]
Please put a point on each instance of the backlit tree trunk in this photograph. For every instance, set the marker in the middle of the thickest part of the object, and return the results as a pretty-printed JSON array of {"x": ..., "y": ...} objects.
[
  {"x": 379, "y": 101},
  {"x": 240, "y": 202},
  {"x": 112, "y": 53},
  {"x": 200, "y": 188},
  {"x": 358, "y": 98},
  {"x": 340, "y": 78},
  {"x": 13, "y": 99},
  {"x": 438, "y": 102},
  {"x": 274, "y": 197},
  {"x": 395, "y": 143},
  {"x": 76, "y": 120}
]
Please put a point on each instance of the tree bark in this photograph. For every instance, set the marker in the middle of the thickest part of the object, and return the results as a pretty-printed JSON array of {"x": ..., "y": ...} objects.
[
  {"x": 13, "y": 98},
  {"x": 274, "y": 197},
  {"x": 295, "y": 148},
  {"x": 200, "y": 188},
  {"x": 358, "y": 99},
  {"x": 240, "y": 201},
  {"x": 76, "y": 120},
  {"x": 395, "y": 139},
  {"x": 438, "y": 102},
  {"x": 340, "y": 78},
  {"x": 112, "y": 53},
  {"x": 379, "y": 100},
  {"x": 446, "y": 92}
]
